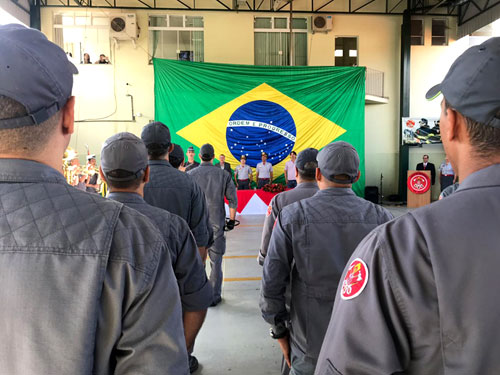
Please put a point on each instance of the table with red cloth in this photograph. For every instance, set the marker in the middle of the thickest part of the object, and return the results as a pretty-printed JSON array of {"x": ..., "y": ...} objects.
[{"x": 253, "y": 202}]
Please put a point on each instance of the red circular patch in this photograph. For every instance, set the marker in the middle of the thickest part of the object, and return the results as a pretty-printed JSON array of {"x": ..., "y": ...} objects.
[
  {"x": 355, "y": 279},
  {"x": 419, "y": 183}
]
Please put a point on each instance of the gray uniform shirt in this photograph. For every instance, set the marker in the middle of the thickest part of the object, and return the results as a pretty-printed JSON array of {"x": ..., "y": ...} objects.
[
  {"x": 311, "y": 243},
  {"x": 195, "y": 290},
  {"x": 216, "y": 184},
  {"x": 430, "y": 305},
  {"x": 86, "y": 284},
  {"x": 176, "y": 192},
  {"x": 302, "y": 191}
]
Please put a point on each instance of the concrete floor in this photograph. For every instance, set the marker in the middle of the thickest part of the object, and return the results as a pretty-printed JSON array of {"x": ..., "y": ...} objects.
[{"x": 235, "y": 339}]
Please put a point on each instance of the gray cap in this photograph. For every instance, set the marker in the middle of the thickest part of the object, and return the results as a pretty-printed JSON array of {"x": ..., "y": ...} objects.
[
  {"x": 190, "y": 149},
  {"x": 306, "y": 156},
  {"x": 471, "y": 86},
  {"x": 124, "y": 151},
  {"x": 339, "y": 158},
  {"x": 207, "y": 150},
  {"x": 156, "y": 136},
  {"x": 33, "y": 72}
]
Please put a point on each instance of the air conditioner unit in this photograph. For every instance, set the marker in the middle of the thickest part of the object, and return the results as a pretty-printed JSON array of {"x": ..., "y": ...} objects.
[
  {"x": 322, "y": 23},
  {"x": 123, "y": 27}
]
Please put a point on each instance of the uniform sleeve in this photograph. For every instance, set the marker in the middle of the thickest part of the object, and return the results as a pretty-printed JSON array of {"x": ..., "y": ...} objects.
[
  {"x": 152, "y": 339},
  {"x": 394, "y": 319},
  {"x": 272, "y": 214},
  {"x": 276, "y": 275},
  {"x": 230, "y": 193},
  {"x": 195, "y": 290},
  {"x": 199, "y": 216}
]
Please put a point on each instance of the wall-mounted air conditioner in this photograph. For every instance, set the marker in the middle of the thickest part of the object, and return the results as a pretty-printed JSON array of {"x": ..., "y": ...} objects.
[
  {"x": 322, "y": 23},
  {"x": 123, "y": 27}
]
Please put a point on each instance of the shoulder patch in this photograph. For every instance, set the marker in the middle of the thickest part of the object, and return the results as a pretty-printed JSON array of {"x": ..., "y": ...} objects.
[
  {"x": 269, "y": 210},
  {"x": 355, "y": 279}
]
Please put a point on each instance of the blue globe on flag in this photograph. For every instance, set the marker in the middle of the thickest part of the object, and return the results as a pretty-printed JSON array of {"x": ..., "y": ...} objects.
[{"x": 261, "y": 126}]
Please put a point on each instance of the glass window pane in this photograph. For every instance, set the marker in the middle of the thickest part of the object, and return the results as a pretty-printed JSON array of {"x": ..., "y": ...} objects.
[
  {"x": 299, "y": 23},
  {"x": 281, "y": 23},
  {"x": 158, "y": 21},
  {"x": 198, "y": 43},
  {"x": 300, "y": 49},
  {"x": 68, "y": 20},
  {"x": 83, "y": 21},
  {"x": 262, "y": 22},
  {"x": 439, "y": 37},
  {"x": 100, "y": 21},
  {"x": 194, "y": 21},
  {"x": 176, "y": 21}
]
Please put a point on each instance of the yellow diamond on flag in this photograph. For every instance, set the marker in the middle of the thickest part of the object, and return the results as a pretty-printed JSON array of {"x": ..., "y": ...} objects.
[{"x": 216, "y": 127}]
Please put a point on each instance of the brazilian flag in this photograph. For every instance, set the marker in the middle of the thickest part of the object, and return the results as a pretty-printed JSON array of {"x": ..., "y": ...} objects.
[{"x": 245, "y": 109}]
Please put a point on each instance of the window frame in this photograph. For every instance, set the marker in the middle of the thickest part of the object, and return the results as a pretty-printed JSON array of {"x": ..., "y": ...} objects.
[
  {"x": 446, "y": 33},
  {"x": 357, "y": 48},
  {"x": 422, "y": 36},
  {"x": 177, "y": 29},
  {"x": 286, "y": 30}
]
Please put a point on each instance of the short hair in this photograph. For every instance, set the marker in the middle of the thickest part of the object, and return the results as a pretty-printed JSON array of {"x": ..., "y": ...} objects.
[
  {"x": 293, "y": 152},
  {"x": 157, "y": 154},
  {"x": 222, "y": 155},
  {"x": 309, "y": 170},
  {"x": 206, "y": 157},
  {"x": 29, "y": 140},
  {"x": 120, "y": 173},
  {"x": 175, "y": 162},
  {"x": 425, "y": 156},
  {"x": 483, "y": 138}
]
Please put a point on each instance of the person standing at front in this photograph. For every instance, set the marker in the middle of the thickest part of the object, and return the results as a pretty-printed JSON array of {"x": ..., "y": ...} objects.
[
  {"x": 290, "y": 179},
  {"x": 243, "y": 174},
  {"x": 264, "y": 172}
]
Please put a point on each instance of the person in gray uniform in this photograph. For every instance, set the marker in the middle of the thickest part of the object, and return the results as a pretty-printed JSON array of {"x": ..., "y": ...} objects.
[
  {"x": 310, "y": 245},
  {"x": 122, "y": 156},
  {"x": 425, "y": 298},
  {"x": 173, "y": 190},
  {"x": 217, "y": 185},
  {"x": 305, "y": 172},
  {"x": 83, "y": 278}
]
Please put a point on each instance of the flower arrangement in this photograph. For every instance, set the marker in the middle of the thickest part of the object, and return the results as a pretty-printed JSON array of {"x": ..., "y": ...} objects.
[{"x": 274, "y": 188}]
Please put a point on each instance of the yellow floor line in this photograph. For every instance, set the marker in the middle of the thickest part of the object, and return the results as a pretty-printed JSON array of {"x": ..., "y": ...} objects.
[
  {"x": 243, "y": 279},
  {"x": 239, "y": 256}
]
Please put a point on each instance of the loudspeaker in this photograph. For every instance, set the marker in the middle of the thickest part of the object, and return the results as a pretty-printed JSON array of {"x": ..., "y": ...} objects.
[{"x": 371, "y": 194}]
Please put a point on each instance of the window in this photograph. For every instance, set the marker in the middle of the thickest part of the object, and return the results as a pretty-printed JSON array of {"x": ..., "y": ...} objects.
[
  {"x": 346, "y": 51},
  {"x": 417, "y": 32},
  {"x": 80, "y": 33},
  {"x": 176, "y": 37},
  {"x": 272, "y": 41},
  {"x": 439, "y": 32}
]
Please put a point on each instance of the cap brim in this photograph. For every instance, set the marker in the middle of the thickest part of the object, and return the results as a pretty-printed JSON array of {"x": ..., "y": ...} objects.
[{"x": 434, "y": 92}]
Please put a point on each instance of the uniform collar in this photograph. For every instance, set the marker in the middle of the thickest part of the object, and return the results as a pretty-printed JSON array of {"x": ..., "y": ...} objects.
[
  {"x": 123, "y": 197},
  {"x": 206, "y": 164},
  {"x": 160, "y": 162},
  {"x": 19, "y": 170},
  {"x": 307, "y": 185},
  {"x": 489, "y": 176},
  {"x": 336, "y": 191}
]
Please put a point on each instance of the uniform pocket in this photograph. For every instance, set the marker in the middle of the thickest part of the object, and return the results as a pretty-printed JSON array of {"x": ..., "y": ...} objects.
[{"x": 331, "y": 370}]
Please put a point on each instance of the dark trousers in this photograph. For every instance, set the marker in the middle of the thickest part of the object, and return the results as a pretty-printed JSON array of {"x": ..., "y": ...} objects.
[
  {"x": 244, "y": 184},
  {"x": 261, "y": 182},
  {"x": 291, "y": 184},
  {"x": 446, "y": 181}
]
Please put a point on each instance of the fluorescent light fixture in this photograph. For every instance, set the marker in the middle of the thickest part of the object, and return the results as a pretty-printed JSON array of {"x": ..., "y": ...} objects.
[
  {"x": 353, "y": 53},
  {"x": 339, "y": 53}
]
